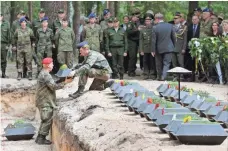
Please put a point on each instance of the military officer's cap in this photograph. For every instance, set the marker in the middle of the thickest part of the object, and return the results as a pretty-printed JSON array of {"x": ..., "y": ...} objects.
[
  {"x": 44, "y": 19},
  {"x": 92, "y": 15},
  {"x": 207, "y": 10},
  {"x": 83, "y": 44},
  {"x": 106, "y": 11},
  {"x": 135, "y": 11},
  {"x": 21, "y": 12},
  {"x": 22, "y": 19},
  {"x": 150, "y": 12},
  {"x": 148, "y": 18},
  {"x": 177, "y": 14},
  {"x": 61, "y": 11},
  {"x": 198, "y": 9},
  {"x": 221, "y": 16},
  {"x": 42, "y": 10},
  {"x": 47, "y": 60},
  {"x": 115, "y": 19}
]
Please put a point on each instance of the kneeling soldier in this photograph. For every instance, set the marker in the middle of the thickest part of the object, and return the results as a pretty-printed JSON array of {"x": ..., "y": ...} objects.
[{"x": 94, "y": 66}]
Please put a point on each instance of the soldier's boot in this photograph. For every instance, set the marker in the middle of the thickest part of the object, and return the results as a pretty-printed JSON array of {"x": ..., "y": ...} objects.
[
  {"x": 41, "y": 140},
  {"x": 78, "y": 93},
  {"x": 97, "y": 84},
  {"x": 30, "y": 75},
  {"x": 4, "y": 73},
  {"x": 24, "y": 74},
  {"x": 19, "y": 76},
  {"x": 121, "y": 76},
  {"x": 108, "y": 84}
]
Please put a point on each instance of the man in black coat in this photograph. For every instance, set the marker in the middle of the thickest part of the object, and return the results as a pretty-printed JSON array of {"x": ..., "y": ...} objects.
[
  {"x": 193, "y": 32},
  {"x": 163, "y": 43}
]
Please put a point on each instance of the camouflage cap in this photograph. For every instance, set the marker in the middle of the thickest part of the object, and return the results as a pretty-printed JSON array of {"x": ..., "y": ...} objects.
[
  {"x": 115, "y": 19},
  {"x": 150, "y": 12},
  {"x": 42, "y": 10},
  {"x": 135, "y": 11},
  {"x": 110, "y": 20},
  {"x": 60, "y": 11},
  {"x": 221, "y": 16}
]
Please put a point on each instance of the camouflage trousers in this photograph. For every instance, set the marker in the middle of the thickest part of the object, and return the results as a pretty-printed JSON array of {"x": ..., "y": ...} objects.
[
  {"x": 41, "y": 54},
  {"x": 3, "y": 55},
  {"x": 24, "y": 58},
  {"x": 101, "y": 74},
  {"x": 66, "y": 57},
  {"x": 46, "y": 115}
]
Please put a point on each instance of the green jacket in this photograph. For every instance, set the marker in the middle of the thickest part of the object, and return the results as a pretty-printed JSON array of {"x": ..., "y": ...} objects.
[
  {"x": 104, "y": 24},
  {"x": 44, "y": 38},
  {"x": 36, "y": 24},
  {"x": 145, "y": 40},
  {"x": 5, "y": 32},
  {"x": 16, "y": 24},
  {"x": 132, "y": 32},
  {"x": 57, "y": 24},
  {"x": 116, "y": 39},
  {"x": 65, "y": 39},
  {"x": 94, "y": 36},
  {"x": 45, "y": 90},
  {"x": 206, "y": 28},
  {"x": 23, "y": 38}
]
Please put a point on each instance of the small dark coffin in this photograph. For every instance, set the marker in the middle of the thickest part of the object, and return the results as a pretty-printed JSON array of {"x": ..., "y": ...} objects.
[
  {"x": 200, "y": 134},
  {"x": 156, "y": 114},
  {"x": 183, "y": 95},
  {"x": 20, "y": 132},
  {"x": 212, "y": 111},
  {"x": 127, "y": 97},
  {"x": 114, "y": 86},
  {"x": 194, "y": 105},
  {"x": 164, "y": 120},
  {"x": 173, "y": 94},
  {"x": 162, "y": 88},
  {"x": 222, "y": 116},
  {"x": 204, "y": 106},
  {"x": 189, "y": 99},
  {"x": 131, "y": 102},
  {"x": 167, "y": 93}
]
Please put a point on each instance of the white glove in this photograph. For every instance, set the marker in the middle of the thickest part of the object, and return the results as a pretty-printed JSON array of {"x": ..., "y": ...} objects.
[
  {"x": 33, "y": 45},
  {"x": 72, "y": 73}
]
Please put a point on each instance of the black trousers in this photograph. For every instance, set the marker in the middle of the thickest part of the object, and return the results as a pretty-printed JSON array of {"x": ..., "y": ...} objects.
[{"x": 149, "y": 67}]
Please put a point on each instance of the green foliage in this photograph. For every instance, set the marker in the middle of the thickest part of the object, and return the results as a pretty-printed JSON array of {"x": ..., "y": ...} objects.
[
  {"x": 18, "y": 122},
  {"x": 202, "y": 93}
]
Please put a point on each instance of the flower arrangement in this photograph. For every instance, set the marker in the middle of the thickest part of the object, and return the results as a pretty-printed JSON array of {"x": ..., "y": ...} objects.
[{"x": 202, "y": 93}]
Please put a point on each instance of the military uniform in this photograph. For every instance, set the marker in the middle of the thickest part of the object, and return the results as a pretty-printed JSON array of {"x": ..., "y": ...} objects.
[
  {"x": 23, "y": 38},
  {"x": 94, "y": 66},
  {"x": 181, "y": 45},
  {"x": 149, "y": 69},
  {"x": 5, "y": 42},
  {"x": 65, "y": 41},
  {"x": 116, "y": 44},
  {"x": 45, "y": 40},
  {"x": 205, "y": 28}
]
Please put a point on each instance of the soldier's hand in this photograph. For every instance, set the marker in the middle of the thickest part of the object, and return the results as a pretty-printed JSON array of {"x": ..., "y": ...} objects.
[
  {"x": 72, "y": 73},
  {"x": 183, "y": 51},
  {"x": 125, "y": 54},
  {"x": 141, "y": 53},
  {"x": 53, "y": 46},
  {"x": 153, "y": 54},
  {"x": 14, "y": 48},
  {"x": 109, "y": 54},
  {"x": 33, "y": 45}
]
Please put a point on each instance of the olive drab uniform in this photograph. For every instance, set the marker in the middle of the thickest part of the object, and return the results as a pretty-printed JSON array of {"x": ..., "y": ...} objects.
[
  {"x": 145, "y": 41},
  {"x": 23, "y": 38},
  {"x": 133, "y": 40},
  {"x": 65, "y": 41},
  {"x": 205, "y": 28},
  {"x": 45, "y": 100},
  {"x": 36, "y": 24},
  {"x": 94, "y": 36},
  {"x": 117, "y": 45},
  {"x": 181, "y": 44},
  {"x": 5, "y": 42},
  {"x": 45, "y": 40},
  {"x": 104, "y": 24}
]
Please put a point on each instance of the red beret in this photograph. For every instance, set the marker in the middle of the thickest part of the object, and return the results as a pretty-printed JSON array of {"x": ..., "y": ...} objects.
[{"x": 47, "y": 61}]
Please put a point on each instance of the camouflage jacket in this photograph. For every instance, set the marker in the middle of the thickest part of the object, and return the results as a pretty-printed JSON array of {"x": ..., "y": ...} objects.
[
  {"x": 57, "y": 25},
  {"x": 94, "y": 36},
  {"x": 23, "y": 38},
  {"x": 36, "y": 24},
  {"x": 16, "y": 24},
  {"x": 104, "y": 24},
  {"x": 145, "y": 40},
  {"x": 44, "y": 38},
  {"x": 5, "y": 32},
  {"x": 94, "y": 60},
  {"x": 206, "y": 28},
  {"x": 116, "y": 39},
  {"x": 65, "y": 39},
  {"x": 45, "y": 90}
]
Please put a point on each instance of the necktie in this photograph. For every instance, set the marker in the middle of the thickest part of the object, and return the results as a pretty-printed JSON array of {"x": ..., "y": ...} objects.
[{"x": 194, "y": 30}]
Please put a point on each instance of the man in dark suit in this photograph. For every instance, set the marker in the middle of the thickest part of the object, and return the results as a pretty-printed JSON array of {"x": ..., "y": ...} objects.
[
  {"x": 193, "y": 32},
  {"x": 163, "y": 43}
]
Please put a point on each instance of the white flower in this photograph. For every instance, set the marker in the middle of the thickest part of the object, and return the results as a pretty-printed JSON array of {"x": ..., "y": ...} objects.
[
  {"x": 197, "y": 44},
  {"x": 226, "y": 41},
  {"x": 200, "y": 50}
]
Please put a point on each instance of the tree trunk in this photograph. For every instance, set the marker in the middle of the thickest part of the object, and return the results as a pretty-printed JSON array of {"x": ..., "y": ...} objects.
[
  {"x": 5, "y": 10},
  {"x": 112, "y": 8},
  {"x": 209, "y": 4},
  {"x": 76, "y": 19},
  {"x": 30, "y": 10},
  {"x": 12, "y": 12},
  {"x": 116, "y": 8},
  {"x": 192, "y": 5},
  {"x": 52, "y": 7}
]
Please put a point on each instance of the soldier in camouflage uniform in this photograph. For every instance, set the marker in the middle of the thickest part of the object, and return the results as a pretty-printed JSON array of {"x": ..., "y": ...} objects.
[
  {"x": 45, "y": 42},
  {"x": 23, "y": 40},
  {"x": 45, "y": 100},
  {"x": 5, "y": 42},
  {"x": 116, "y": 46},
  {"x": 65, "y": 41},
  {"x": 149, "y": 69},
  {"x": 104, "y": 23},
  {"x": 92, "y": 33},
  {"x": 57, "y": 24},
  {"x": 94, "y": 66},
  {"x": 206, "y": 24},
  {"x": 36, "y": 24}
]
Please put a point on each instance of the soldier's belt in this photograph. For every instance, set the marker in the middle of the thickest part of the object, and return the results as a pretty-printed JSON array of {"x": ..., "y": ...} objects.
[{"x": 97, "y": 67}]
